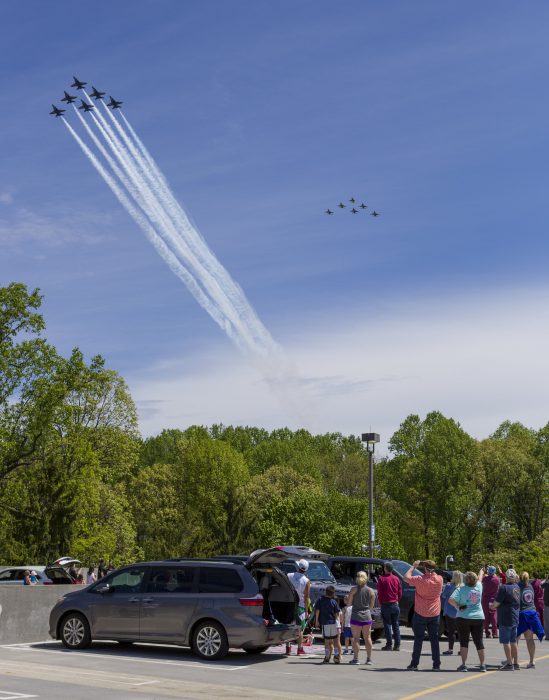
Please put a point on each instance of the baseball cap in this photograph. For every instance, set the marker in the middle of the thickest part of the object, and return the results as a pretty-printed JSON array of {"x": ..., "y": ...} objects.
[
  {"x": 302, "y": 565},
  {"x": 491, "y": 570},
  {"x": 511, "y": 573}
]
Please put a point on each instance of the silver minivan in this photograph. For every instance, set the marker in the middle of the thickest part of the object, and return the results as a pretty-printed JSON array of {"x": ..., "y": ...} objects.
[{"x": 211, "y": 606}]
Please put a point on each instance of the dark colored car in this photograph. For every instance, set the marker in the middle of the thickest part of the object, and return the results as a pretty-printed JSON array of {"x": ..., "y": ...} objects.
[
  {"x": 208, "y": 605},
  {"x": 345, "y": 569}
]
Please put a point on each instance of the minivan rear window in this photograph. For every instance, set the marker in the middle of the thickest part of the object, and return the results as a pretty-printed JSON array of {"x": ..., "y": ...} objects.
[{"x": 219, "y": 580}]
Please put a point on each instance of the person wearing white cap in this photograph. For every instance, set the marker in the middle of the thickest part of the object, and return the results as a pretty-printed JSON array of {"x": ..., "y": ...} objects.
[{"x": 302, "y": 585}]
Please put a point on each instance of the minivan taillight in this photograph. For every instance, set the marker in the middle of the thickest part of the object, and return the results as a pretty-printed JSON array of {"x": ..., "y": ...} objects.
[{"x": 252, "y": 602}]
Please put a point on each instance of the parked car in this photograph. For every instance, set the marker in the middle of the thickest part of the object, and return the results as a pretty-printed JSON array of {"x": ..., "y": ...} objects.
[
  {"x": 209, "y": 605},
  {"x": 48, "y": 575},
  {"x": 345, "y": 568}
]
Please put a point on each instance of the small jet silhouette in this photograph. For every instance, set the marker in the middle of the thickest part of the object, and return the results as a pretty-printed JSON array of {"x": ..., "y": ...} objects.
[
  {"x": 354, "y": 211},
  {"x": 68, "y": 98},
  {"x": 78, "y": 84},
  {"x": 96, "y": 94},
  {"x": 85, "y": 106},
  {"x": 56, "y": 111},
  {"x": 374, "y": 213},
  {"x": 329, "y": 212},
  {"x": 114, "y": 104},
  {"x": 341, "y": 205},
  {"x": 363, "y": 206},
  {"x": 352, "y": 200}
]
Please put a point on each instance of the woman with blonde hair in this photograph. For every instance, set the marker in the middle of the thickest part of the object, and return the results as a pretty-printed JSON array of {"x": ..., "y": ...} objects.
[
  {"x": 470, "y": 617},
  {"x": 362, "y": 598},
  {"x": 449, "y": 611},
  {"x": 529, "y": 623}
]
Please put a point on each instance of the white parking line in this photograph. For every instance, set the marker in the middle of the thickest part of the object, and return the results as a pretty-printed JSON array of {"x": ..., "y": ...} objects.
[{"x": 206, "y": 666}]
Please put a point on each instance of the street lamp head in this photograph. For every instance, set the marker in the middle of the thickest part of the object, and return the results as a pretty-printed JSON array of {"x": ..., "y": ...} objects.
[{"x": 370, "y": 439}]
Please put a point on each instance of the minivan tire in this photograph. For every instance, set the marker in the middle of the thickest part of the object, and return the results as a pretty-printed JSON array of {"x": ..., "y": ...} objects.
[
  {"x": 75, "y": 631},
  {"x": 210, "y": 641}
]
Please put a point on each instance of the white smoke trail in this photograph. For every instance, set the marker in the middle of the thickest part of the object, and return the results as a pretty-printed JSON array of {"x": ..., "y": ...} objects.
[
  {"x": 194, "y": 238},
  {"x": 165, "y": 253},
  {"x": 147, "y": 199}
]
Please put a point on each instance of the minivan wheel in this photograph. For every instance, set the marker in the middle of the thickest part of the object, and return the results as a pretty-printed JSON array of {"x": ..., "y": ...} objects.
[
  {"x": 75, "y": 631},
  {"x": 210, "y": 641}
]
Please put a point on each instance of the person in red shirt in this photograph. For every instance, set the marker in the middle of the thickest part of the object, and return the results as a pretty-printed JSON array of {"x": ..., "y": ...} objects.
[
  {"x": 426, "y": 610},
  {"x": 389, "y": 593}
]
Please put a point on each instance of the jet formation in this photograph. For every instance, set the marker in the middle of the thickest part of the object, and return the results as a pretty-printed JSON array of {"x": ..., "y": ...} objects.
[
  {"x": 353, "y": 210},
  {"x": 86, "y": 106}
]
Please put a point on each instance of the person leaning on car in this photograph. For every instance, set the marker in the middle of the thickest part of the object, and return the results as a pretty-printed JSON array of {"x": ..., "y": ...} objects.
[
  {"x": 389, "y": 593},
  {"x": 426, "y": 610}
]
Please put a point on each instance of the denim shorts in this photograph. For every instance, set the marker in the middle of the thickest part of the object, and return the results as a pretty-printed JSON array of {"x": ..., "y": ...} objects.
[{"x": 507, "y": 635}]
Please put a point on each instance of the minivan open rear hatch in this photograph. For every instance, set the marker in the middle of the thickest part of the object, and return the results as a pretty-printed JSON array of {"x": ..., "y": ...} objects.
[{"x": 276, "y": 555}]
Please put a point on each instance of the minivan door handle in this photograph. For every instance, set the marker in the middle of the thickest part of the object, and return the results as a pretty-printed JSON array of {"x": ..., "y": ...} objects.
[
  {"x": 134, "y": 600},
  {"x": 148, "y": 600}
]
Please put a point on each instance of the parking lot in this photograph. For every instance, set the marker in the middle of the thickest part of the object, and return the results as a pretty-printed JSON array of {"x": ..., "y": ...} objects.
[{"x": 46, "y": 670}]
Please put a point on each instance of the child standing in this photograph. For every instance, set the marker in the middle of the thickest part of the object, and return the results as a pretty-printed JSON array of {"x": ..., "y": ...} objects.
[
  {"x": 347, "y": 632},
  {"x": 327, "y": 615}
]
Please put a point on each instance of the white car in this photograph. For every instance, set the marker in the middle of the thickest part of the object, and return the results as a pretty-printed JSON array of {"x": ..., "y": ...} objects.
[{"x": 49, "y": 575}]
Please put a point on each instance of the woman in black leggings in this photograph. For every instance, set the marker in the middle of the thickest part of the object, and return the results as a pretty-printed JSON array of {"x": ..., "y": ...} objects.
[{"x": 470, "y": 617}]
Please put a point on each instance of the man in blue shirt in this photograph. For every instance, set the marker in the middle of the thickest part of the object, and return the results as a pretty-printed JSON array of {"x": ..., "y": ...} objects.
[{"x": 508, "y": 603}]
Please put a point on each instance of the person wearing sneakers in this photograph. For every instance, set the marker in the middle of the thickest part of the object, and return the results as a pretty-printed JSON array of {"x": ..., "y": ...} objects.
[
  {"x": 449, "y": 611},
  {"x": 347, "y": 632},
  {"x": 529, "y": 622},
  {"x": 302, "y": 585},
  {"x": 467, "y": 600},
  {"x": 490, "y": 587},
  {"x": 508, "y": 604},
  {"x": 389, "y": 593},
  {"x": 426, "y": 611},
  {"x": 362, "y": 598},
  {"x": 327, "y": 617}
]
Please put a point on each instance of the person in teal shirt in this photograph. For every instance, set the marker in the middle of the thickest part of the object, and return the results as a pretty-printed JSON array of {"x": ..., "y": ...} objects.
[{"x": 470, "y": 617}]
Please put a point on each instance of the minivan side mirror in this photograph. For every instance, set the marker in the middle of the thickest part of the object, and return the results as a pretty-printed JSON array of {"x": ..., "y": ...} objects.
[{"x": 103, "y": 589}]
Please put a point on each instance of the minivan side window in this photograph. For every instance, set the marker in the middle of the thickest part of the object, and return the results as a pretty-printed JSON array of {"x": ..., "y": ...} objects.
[
  {"x": 128, "y": 581},
  {"x": 6, "y": 575},
  {"x": 219, "y": 580},
  {"x": 172, "y": 579}
]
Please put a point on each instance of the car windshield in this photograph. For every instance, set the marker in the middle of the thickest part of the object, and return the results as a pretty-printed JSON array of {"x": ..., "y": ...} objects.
[
  {"x": 402, "y": 567},
  {"x": 317, "y": 571}
]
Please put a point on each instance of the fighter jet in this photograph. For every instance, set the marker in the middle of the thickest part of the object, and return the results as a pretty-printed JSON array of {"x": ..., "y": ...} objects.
[
  {"x": 85, "y": 106},
  {"x": 354, "y": 211},
  {"x": 78, "y": 84},
  {"x": 374, "y": 213},
  {"x": 329, "y": 212},
  {"x": 352, "y": 200},
  {"x": 69, "y": 99},
  {"x": 96, "y": 94},
  {"x": 341, "y": 205},
  {"x": 363, "y": 206},
  {"x": 56, "y": 111},
  {"x": 114, "y": 104}
]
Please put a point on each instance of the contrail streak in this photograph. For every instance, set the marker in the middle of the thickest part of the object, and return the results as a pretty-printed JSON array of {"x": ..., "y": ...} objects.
[
  {"x": 165, "y": 253},
  {"x": 146, "y": 199}
]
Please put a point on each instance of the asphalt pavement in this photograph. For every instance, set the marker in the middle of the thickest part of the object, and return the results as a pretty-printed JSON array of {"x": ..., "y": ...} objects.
[{"x": 47, "y": 670}]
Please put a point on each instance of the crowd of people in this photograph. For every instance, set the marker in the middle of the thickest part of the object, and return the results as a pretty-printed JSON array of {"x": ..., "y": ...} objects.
[{"x": 492, "y": 603}]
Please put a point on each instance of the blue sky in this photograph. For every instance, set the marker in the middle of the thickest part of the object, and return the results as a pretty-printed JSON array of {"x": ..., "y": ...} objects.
[{"x": 261, "y": 114}]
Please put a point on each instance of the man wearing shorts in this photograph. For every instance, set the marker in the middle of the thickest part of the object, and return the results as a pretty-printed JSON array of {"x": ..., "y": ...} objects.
[
  {"x": 303, "y": 587},
  {"x": 508, "y": 603}
]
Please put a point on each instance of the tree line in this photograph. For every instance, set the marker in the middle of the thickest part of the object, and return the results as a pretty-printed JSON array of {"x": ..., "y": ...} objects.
[{"x": 77, "y": 478}]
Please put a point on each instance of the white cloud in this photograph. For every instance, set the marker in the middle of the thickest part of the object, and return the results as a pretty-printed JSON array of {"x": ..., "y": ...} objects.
[
  {"x": 480, "y": 360},
  {"x": 57, "y": 229},
  {"x": 6, "y": 198}
]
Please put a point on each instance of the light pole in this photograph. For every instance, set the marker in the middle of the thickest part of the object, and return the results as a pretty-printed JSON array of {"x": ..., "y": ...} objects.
[
  {"x": 449, "y": 558},
  {"x": 370, "y": 439}
]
